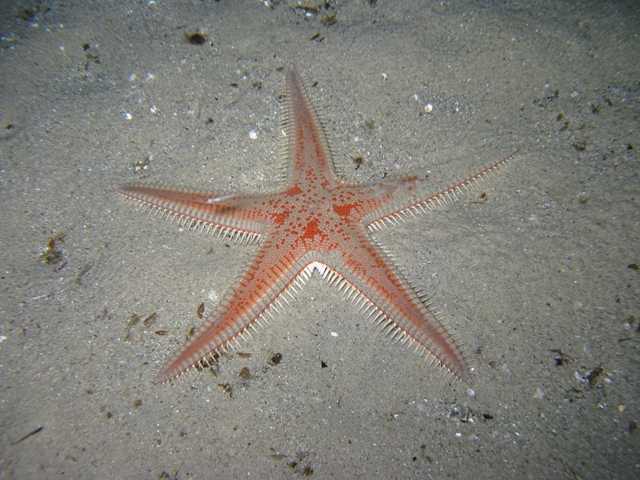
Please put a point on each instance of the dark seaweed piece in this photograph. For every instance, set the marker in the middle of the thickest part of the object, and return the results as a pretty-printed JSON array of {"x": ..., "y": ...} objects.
[
  {"x": 28, "y": 14},
  {"x": 150, "y": 320},
  {"x": 33, "y": 432},
  {"x": 133, "y": 321},
  {"x": 52, "y": 255},
  {"x": 227, "y": 388},
  {"x": 195, "y": 38},
  {"x": 369, "y": 125},
  {"x": 594, "y": 375},
  {"x": 482, "y": 198},
  {"x": 190, "y": 333},
  {"x": 328, "y": 20},
  {"x": 562, "y": 357},
  {"x": 275, "y": 359}
]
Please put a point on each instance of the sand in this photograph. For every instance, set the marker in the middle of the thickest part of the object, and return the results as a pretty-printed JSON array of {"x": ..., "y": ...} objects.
[{"x": 536, "y": 271}]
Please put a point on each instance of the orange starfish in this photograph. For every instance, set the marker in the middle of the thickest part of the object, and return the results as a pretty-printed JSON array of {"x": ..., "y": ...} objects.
[{"x": 316, "y": 221}]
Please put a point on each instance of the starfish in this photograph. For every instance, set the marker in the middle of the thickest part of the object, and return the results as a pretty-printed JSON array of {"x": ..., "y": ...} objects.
[{"x": 316, "y": 221}]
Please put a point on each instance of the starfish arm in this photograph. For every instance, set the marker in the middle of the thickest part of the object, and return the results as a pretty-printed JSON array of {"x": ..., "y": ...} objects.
[
  {"x": 222, "y": 213},
  {"x": 310, "y": 160},
  {"x": 374, "y": 276},
  {"x": 416, "y": 195},
  {"x": 269, "y": 275}
]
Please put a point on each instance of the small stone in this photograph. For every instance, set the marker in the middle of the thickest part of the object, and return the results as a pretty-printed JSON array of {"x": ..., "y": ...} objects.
[{"x": 539, "y": 394}]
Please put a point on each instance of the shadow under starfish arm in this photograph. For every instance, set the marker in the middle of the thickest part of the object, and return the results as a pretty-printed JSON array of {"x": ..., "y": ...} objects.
[{"x": 414, "y": 195}]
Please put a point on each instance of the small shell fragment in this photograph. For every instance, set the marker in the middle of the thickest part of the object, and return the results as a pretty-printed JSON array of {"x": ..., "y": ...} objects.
[{"x": 539, "y": 394}]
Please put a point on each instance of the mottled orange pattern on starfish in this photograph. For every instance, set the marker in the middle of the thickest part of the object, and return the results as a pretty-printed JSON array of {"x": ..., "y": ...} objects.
[{"x": 316, "y": 221}]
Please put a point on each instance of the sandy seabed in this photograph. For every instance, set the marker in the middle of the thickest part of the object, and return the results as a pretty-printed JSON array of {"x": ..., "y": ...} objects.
[{"x": 536, "y": 271}]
